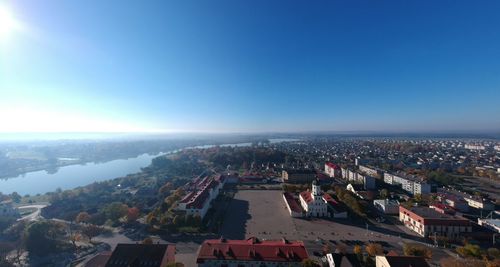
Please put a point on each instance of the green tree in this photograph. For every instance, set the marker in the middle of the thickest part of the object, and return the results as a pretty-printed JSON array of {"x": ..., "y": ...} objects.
[
  {"x": 42, "y": 238},
  {"x": 115, "y": 211}
]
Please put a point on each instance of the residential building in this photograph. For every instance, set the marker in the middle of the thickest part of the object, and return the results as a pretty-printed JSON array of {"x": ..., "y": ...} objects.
[
  {"x": 387, "y": 206},
  {"x": 454, "y": 201},
  {"x": 428, "y": 222},
  {"x": 372, "y": 171},
  {"x": 478, "y": 202},
  {"x": 298, "y": 176},
  {"x": 203, "y": 191},
  {"x": 251, "y": 252},
  {"x": 400, "y": 261},
  {"x": 141, "y": 255},
  {"x": 332, "y": 170},
  {"x": 411, "y": 184},
  {"x": 474, "y": 147}
]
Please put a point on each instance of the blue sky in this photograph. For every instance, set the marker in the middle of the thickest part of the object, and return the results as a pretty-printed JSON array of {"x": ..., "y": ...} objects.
[{"x": 238, "y": 66}]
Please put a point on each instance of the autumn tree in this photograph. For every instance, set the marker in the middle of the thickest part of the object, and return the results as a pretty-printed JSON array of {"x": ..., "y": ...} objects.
[
  {"x": 148, "y": 241},
  {"x": 91, "y": 231},
  {"x": 414, "y": 249},
  {"x": 132, "y": 214},
  {"x": 82, "y": 217},
  {"x": 374, "y": 249}
]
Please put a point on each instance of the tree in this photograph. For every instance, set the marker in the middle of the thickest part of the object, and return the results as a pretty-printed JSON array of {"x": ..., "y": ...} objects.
[
  {"x": 132, "y": 214},
  {"x": 115, "y": 211},
  {"x": 15, "y": 197},
  {"x": 82, "y": 217},
  {"x": 91, "y": 231},
  {"x": 42, "y": 238},
  {"x": 469, "y": 251},
  {"x": 357, "y": 250},
  {"x": 148, "y": 241},
  {"x": 374, "y": 249},
  {"x": 309, "y": 263},
  {"x": 384, "y": 193},
  {"x": 417, "y": 250}
]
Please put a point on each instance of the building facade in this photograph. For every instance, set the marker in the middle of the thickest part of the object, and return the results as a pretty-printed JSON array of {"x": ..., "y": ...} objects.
[
  {"x": 427, "y": 222},
  {"x": 313, "y": 202},
  {"x": 251, "y": 252}
]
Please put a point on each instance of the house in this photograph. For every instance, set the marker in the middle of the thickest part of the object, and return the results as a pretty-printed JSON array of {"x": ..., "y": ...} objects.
[
  {"x": 313, "y": 202},
  {"x": 342, "y": 260},
  {"x": 298, "y": 176},
  {"x": 400, "y": 261},
  {"x": 428, "y": 222},
  {"x": 251, "y": 252},
  {"x": 387, "y": 206},
  {"x": 141, "y": 255},
  {"x": 493, "y": 224}
]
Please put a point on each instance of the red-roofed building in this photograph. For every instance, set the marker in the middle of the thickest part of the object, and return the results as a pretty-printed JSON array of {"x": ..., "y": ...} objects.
[
  {"x": 428, "y": 222},
  {"x": 292, "y": 205},
  {"x": 332, "y": 169},
  {"x": 251, "y": 252},
  {"x": 197, "y": 202}
]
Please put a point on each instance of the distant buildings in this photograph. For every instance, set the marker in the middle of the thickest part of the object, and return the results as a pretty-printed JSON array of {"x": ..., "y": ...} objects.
[
  {"x": 474, "y": 147},
  {"x": 202, "y": 191},
  {"x": 410, "y": 184},
  {"x": 387, "y": 206},
  {"x": 298, "y": 176},
  {"x": 251, "y": 252},
  {"x": 358, "y": 178},
  {"x": 428, "y": 222},
  {"x": 400, "y": 261},
  {"x": 458, "y": 200}
]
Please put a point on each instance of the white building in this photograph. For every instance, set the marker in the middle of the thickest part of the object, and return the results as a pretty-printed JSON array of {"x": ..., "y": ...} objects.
[
  {"x": 493, "y": 224},
  {"x": 410, "y": 184},
  {"x": 198, "y": 201},
  {"x": 387, "y": 206},
  {"x": 313, "y": 201}
]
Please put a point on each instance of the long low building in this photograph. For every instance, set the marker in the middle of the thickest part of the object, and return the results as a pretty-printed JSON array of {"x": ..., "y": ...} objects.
[
  {"x": 251, "y": 252},
  {"x": 428, "y": 222},
  {"x": 493, "y": 224},
  {"x": 411, "y": 184},
  {"x": 198, "y": 200},
  {"x": 292, "y": 205},
  {"x": 298, "y": 176}
]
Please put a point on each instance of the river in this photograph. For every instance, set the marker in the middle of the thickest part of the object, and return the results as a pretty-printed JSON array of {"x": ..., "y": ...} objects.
[{"x": 71, "y": 176}]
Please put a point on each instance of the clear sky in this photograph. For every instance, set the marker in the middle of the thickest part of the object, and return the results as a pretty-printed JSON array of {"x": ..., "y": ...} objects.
[{"x": 259, "y": 65}]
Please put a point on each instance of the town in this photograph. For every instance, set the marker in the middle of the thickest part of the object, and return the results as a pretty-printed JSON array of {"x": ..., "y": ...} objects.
[{"x": 315, "y": 201}]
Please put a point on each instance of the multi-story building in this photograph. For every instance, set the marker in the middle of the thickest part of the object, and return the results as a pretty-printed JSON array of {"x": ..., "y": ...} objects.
[
  {"x": 474, "y": 147},
  {"x": 410, "y": 184},
  {"x": 455, "y": 197},
  {"x": 372, "y": 171},
  {"x": 387, "y": 206},
  {"x": 428, "y": 222},
  {"x": 456, "y": 202},
  {"x": 154, "y": 255},
  {"x": 251, "y": 252},
  {"x": 478, "y": 202},
  {"x": 332, "y": 170},
  {"x": 198, "y": 200},
  {"x": 296, "y": 176}
]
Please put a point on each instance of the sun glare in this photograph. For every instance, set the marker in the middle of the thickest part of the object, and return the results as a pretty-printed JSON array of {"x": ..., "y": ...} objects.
[{"x": 8, "y": 23}]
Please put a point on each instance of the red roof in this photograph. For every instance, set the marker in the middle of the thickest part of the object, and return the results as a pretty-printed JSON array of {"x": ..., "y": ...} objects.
[
  {"x": 252, "y": 249},
  {"x": 292, "y": 203},
  {"x": 332, "y": 165},
  {"x": 307, "y": 196}
]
